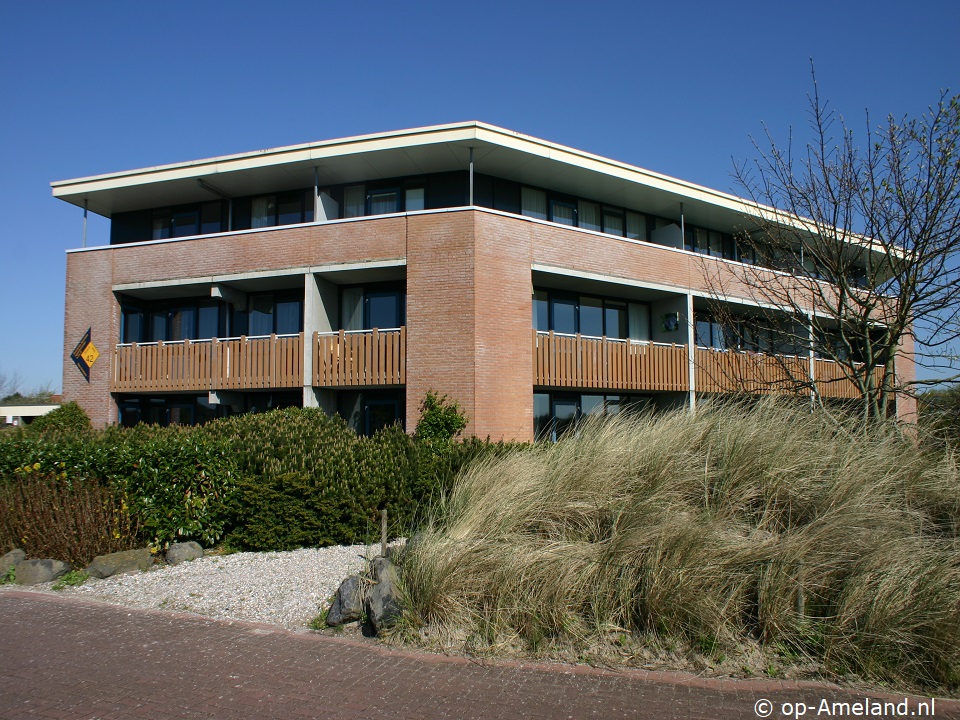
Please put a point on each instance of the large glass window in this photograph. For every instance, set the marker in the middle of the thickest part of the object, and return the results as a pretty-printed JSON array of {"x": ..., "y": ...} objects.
[
  {"x": 590, "y": 315},
  {"x": 378, "y": 306},
  {"x": 261, "y": 315},
  {"x": 541, "y": 310},
  {"x": 384, "y": 309},
  {"x": 557, "y": 413},
  {"x": 563, "y": 311}
]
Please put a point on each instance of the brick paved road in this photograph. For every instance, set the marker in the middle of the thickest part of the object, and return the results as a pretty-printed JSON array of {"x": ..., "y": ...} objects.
[{"x": 69, "y": 658}]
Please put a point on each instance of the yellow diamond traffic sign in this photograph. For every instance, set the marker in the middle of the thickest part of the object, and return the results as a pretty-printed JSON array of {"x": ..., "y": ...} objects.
[{"x": 90, "y": 354}]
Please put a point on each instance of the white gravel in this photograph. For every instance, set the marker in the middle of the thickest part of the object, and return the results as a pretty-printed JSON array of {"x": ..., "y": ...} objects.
[{"x": 280, "y": 588}]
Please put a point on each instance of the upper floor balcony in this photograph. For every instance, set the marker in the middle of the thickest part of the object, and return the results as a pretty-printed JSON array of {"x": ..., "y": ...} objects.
[
  {"x": 584, "y": 362},
  {"x": 366, "y": 358},
  {"x": 243, "y": 363}
]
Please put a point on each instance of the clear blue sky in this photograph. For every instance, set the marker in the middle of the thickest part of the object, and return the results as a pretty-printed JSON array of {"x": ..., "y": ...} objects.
[{"x": 104, "y": 86}]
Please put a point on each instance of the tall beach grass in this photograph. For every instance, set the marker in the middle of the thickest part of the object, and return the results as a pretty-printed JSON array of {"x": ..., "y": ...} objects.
[{"x": 766, "y": 527}]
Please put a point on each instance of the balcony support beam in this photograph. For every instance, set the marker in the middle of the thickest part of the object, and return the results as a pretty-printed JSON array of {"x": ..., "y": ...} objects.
[
  {"x": 228, "y": 294},
  {"x": 226, "y": 397}
]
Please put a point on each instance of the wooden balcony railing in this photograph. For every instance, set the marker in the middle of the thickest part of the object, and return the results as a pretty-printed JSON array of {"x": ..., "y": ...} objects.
[
  {"x": 365, "y": 358},
  {"x": 733, "y": 371},
  {"x": 243, "y": 363},
  {"x": 576, "y": 361}
]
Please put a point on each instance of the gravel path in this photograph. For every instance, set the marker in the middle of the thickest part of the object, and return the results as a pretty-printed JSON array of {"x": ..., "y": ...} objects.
[{"x": 279, "y": 588}]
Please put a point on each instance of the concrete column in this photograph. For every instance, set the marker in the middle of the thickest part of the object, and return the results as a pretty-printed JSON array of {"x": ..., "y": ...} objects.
[{"x": 321, "y": 308}]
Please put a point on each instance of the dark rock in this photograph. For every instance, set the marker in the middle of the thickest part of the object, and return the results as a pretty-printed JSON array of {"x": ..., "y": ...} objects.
[
  {"x": 9, "y": 560},
  {"x": 383, "y": 603},
  {"x": 33, "y": 572},
  {"x": 347, "y": 606},
  {"x": 126, "y": 561},
  {"x": 184, "y": 552}
]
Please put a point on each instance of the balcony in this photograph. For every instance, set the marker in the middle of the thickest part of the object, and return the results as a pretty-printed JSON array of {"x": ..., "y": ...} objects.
[
  {"x": 364, "y": 358},
  {"x": 734, "y": 371},
  {"x": 582, "y": 362},
  {"x": 244, "y": 363},
  {"x": 578, "y": 361}
]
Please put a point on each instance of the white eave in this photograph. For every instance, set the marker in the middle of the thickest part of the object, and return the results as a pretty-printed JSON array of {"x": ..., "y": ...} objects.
[{"x": 440, "y": 148}]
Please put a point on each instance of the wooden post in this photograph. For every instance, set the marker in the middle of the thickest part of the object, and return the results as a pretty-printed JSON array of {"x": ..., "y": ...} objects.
[
  {"x": 383, "y": 532},
  {"x": 801, "y": 599}
]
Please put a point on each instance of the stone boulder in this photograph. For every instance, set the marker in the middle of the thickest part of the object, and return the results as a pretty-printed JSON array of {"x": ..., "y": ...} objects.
[
  {"x": 9, "y": 560},
  {"x": 347, "y": 605},
  {"x": 126, "y": 561},
  {"x": 383, "y": 602},
  {"x": 34, "y": 572},
  {"x": 184, "y": 552}
]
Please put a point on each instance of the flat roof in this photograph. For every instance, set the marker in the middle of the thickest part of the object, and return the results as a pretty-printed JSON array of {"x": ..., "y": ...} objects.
[{"x": 439, "y": 148}]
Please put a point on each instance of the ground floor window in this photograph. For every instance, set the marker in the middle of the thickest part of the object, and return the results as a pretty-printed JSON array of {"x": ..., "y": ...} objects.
[
  {"x": 368, "y": 411},
  {"x": 197, "y": 409},
  {"x": 555, "y": 413}
]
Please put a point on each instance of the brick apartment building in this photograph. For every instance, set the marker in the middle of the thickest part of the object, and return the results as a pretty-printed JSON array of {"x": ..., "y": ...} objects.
[{"x": 531, "y": 282}]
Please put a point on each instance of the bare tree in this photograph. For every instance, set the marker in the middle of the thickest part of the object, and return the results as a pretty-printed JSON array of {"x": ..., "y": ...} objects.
[
  {"x": 9, "y": 383},
  {"x": 852, "y": 251}
]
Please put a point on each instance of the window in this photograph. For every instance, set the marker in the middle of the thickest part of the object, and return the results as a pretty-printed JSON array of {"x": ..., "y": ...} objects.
[
  {"x": 541, "y": 310},
  {"x": 533, "y": 203},
  {"x": 186, "y": 319},
  {"x": 382, "y": 202},
  {"x": 354, "y": 201},
  {"x": 281, "y": 209},
  {"x": 377, "y": 306},
  {"x": 636, "y": 226},
  {"x": 590, "y": 315},
  {"x": 613, "y": 221},
  {"x": 186, "y": 221},
  {"x": 269, "y": 313},
  {"x": 557, "y": 413},
  {"x": 563, "y": 212},
  {"x": 589, "y": 215},
  {"x": 414, "y": 199},
  {"x": 262, "y": 211}
]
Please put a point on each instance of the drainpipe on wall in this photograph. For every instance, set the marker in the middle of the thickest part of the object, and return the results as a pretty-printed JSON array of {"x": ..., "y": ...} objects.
[
  {"x": 84, "y": 238},
  {"x": 316, "y": 193},
  {"x": 471, "y": 176}
]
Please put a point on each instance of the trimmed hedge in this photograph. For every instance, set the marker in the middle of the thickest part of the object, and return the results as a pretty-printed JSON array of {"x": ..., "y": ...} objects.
[{"x": 271, "y": 481}]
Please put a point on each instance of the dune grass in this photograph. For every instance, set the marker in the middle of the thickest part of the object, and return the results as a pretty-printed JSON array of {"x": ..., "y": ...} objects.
[{"x": 763, "y": 527}]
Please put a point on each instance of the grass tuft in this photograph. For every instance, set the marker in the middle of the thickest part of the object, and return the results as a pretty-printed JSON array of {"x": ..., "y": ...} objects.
[{"x": 703, "y": 530}]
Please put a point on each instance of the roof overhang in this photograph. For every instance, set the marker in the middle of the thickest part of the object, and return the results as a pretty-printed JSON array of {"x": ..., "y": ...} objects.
[{"x": 439, "y": 148}]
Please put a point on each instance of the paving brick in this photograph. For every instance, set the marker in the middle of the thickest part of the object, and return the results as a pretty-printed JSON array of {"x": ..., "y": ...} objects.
[{"x": 63, "y": 657}]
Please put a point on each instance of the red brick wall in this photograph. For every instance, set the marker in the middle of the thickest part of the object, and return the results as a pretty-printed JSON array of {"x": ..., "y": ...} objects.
[
  {"x": 90, "y": 304},
  {"x": 441, "y": 306},
  {"x": 468, "y": 297},
  {"x": 90, "y": 301}
]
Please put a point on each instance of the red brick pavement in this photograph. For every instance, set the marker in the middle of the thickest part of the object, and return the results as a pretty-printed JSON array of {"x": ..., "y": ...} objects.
[{"x": 69, "y": 658}]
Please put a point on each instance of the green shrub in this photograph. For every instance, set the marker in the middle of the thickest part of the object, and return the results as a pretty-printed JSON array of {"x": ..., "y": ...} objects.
[
  {"x": 173, "y": 479},
  {"x": 68, "y": 418},
  {"x": 441, "y": 420},
  {"x": 309, "y": 480}
]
